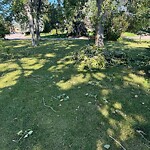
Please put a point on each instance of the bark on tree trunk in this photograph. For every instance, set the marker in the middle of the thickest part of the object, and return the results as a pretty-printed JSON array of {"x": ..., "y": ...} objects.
[
  {"x": 31, "y": 22},
  {"x": 99, "y": 39},
  {"x": 39, "y": 3},
  {"x": 37, "y": 30}
]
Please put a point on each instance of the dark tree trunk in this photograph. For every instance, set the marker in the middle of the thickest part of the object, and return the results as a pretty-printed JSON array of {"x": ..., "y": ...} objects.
[{"x": 100, "y": 28}]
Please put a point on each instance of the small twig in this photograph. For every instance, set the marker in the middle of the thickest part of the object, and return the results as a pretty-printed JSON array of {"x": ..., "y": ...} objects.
[
  {"x": 54, "y": 97},
  {"x": 146, "y": 145},
  {"x": 118, "y": 142},
  {"x": 141, "y": 133},
  {"x": 48, "y": 105},
  {"x": 17, "y": 141}
]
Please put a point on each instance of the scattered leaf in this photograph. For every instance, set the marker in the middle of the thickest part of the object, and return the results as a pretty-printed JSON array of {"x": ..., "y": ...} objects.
[
  {"x": 26, "y": 136},
  {"x": 107, "y": 146},
  {"x": 20, "y": 132},
  {"x": 30, "y": 132}
]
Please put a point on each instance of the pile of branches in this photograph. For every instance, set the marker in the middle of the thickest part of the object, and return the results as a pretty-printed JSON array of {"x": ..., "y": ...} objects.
[{"x": 93, "y": 58}]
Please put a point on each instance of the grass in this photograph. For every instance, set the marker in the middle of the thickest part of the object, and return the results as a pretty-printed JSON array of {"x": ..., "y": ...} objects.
[
  {"x": 87, "y": 106},
  {"x": 128, "y": 34},
  {"x": 53, "y": 34}
]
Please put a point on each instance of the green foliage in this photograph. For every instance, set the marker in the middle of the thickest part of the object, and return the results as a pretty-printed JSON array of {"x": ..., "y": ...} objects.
[
  {"x": 3, "y": 28},
  {"x": 54, "y": 19},
  {"x": 140, "y": 16},
  {"x": 115, "y": 22},
  {"x": 74, "y": 17},
  {"x": 90, "y": 57},
  {"x": 115, "y": 25}
]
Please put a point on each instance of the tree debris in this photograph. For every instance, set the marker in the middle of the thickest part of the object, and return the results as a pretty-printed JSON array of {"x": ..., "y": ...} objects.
[
  {"x": 48, "y": 106},
  {"x": 117, "y": 142}
]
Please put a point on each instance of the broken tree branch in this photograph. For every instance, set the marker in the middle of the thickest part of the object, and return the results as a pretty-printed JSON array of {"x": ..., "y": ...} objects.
[
  {"x": 117, "y": 142},
  {"x": 48, "y": 105}
]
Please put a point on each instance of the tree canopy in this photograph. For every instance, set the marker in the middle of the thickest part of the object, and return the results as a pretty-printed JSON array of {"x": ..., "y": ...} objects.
[{"x": 104, "y": 19}]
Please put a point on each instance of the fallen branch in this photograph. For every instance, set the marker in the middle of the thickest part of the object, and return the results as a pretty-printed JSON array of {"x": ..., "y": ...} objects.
[
  {"x": 17, "y": 141},
  {"x": 141, "y": 133},
  {"x": 48, "y": 105},
  {"x": 146, "y": 145},
  {"x": 118, "y": 142}
]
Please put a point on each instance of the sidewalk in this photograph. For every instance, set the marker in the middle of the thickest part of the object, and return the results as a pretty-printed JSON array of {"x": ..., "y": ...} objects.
[
  {"x": 19, "y": 36},
  {"x": 16, "y": 36}
]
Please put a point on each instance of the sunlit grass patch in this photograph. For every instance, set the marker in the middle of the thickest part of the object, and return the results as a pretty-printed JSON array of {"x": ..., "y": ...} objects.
[{"x": 128, "y": 34}]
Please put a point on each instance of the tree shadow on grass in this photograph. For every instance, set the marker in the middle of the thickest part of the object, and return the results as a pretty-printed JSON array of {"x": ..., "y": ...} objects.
[{"x": 100, "y": 104}]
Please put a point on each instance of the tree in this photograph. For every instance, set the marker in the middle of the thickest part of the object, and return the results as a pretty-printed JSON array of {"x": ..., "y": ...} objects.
[
  {"x": 53, "y": 18},
  {"x": 139, "y": 15},
  {"x": 33, "y": 10},
  {"x": 3, "y": 27},
  {"x": 100, "y": 27},
  {"x": 107, "y": 19},
  {"x": 74, "y": 17}
]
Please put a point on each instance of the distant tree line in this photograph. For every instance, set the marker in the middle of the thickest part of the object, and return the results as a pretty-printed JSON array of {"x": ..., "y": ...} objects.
[{"x": 102, "y": 19}]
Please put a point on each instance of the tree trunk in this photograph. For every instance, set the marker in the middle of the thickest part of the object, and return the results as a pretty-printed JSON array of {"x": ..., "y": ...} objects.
[
  {"x": 99, "y": 39},
  {"x": 39, "y": 3},
  {"x": 37, "y": 29},
  {"x": 31, "y": 22}
]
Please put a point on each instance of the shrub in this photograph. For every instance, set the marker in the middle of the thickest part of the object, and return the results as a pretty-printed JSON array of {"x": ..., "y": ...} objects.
[
  {"x": 3, "y": 28},
  {"x": 3, "y": 31},
  {"x": 115, "y": 26}
]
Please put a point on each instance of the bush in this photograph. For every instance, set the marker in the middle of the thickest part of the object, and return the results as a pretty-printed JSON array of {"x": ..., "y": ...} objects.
[
  {"x": 3, "y": 28},
  {"x": 3, "y": 31},
  {"x": 114, "y": 26}
]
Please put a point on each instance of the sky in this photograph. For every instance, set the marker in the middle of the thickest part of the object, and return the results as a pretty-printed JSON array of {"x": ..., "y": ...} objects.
[{"x": 52, "y": 1}]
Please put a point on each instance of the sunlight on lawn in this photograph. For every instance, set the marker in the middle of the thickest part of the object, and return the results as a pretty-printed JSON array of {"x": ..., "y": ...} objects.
[
  {"x": 74, "y": 81},
  {"x": 105, "y": 92},
  {"x": 32, "y": 63},
  {"x": 133, "y": 79},
  {"x": 99, "y": 75},
  {"x": 49, "y": 55},
  {"x": 25, "y": 66},
  {"x": 138, "y": 44},
  {"x": 125, "y": 124},
  {"x": 117, "y": 105},
  {"x": 99, "y": 145},
  {"x": 9, "y": 79},
  {"x": 104, "y": 111},
  {"x": 61, "y": 65},
  {"x": 8, "y": 66}
]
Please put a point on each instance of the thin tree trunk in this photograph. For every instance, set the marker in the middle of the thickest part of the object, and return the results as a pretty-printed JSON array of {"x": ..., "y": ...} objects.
[
  {"x": 38, "y": 20},
  {"x": 31, "y": 22},
  {"x": 99, "y": 39},
  {"x": 37, "y": 30}
]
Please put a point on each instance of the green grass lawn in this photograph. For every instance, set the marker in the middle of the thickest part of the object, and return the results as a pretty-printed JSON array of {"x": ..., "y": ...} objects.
[
  {"x": 67, "y": 108},
  {"x": 128, "y": 34}
]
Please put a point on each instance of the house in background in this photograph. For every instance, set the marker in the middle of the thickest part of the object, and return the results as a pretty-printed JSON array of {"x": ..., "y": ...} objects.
[{"x": 15, "y": 27}]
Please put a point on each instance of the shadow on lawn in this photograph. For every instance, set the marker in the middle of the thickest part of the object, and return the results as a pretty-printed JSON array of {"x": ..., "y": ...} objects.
[{"x": 107, "y": 102}]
